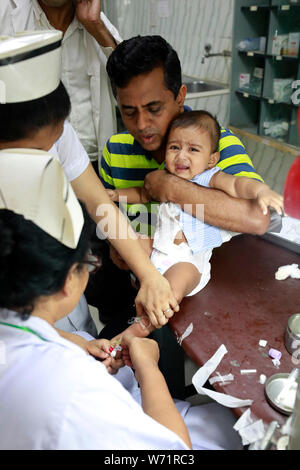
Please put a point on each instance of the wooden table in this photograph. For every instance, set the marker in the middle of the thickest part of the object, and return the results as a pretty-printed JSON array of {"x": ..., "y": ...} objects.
[{"x": 243, "y": 303}]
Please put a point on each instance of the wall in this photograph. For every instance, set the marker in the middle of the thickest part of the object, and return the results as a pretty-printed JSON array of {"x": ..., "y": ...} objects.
[{"x": 190, "y": 24}]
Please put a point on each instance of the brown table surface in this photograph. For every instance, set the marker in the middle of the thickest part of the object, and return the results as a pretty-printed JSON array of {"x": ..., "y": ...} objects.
[{"x": 243, "y": 303}]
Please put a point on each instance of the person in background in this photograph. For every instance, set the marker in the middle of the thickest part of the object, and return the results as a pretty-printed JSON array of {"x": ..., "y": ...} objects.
[
  {"x": 33, "y": 115},
  {"x": 182, "y": 244},
  {"x": 88, "y": 39},
  {"x": 53, "y": 395}
]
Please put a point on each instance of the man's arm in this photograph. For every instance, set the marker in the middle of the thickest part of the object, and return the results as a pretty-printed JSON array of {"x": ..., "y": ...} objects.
[
  {"x": 88, "y": 13},
  {"x": 220, "y": 209}
]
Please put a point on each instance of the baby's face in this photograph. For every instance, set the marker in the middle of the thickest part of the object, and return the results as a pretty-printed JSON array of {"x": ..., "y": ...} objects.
[{"x": 188, "y": 152}]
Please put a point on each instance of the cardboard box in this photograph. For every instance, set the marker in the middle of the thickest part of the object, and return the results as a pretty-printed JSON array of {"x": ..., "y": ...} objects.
[{"x": 293, "y": 44}]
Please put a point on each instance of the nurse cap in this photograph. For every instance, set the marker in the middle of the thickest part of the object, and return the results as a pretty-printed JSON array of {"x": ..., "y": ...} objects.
[
  {"x": 30, "y": 65},
  {"x": 40, "y": 192}
]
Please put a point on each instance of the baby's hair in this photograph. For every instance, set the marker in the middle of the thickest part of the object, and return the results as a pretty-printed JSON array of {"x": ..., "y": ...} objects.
[{"x": 202, "y": 120}]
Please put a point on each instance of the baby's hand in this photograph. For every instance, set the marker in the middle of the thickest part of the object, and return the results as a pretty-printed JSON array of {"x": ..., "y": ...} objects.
[
  {"x": 267, "y": 197},
  {"x": 113, "y": 194}
]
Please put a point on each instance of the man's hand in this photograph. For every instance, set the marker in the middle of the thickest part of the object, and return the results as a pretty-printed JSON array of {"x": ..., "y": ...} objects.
[
  {"x": 88, "y": 13},
  {"x": 155, "y": 186}
]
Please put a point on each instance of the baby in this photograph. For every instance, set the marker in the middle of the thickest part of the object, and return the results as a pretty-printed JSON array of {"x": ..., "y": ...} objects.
[{"x": 182, "y": 244}]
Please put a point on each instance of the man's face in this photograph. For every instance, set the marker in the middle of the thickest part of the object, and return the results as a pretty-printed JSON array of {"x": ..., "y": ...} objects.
[
  {"x": 55, "y": 3},
  {"x": 147, "y": 107},
  {"x": 43, "y": 139}
]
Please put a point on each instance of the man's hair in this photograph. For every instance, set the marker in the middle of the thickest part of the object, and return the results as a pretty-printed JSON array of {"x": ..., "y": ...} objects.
[
  {"x": 140, "y": 55},
  {"x": 22, "y": 120},
  {"x": 202, "y": 120}
]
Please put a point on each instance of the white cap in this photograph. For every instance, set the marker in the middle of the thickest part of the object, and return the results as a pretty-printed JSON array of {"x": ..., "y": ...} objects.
[
  {"x": 33, "y": 184},
  {"x": 30, "y": 65}
]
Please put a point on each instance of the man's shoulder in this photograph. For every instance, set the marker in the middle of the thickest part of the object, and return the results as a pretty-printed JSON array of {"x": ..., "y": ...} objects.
[{"x": 124, "y": 143}]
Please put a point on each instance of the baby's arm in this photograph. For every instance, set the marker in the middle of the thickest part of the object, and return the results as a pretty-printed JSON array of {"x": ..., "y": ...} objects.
[
  {"x": 248, "y": 188},
  {"x": 129, "y": 195}
]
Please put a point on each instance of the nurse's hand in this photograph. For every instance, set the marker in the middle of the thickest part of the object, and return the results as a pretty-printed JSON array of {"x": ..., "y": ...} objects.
[
  {"x": 156, "y": 299},
  {"x": 99, "y": 348},
  {"x": 117, "y": 259},
  {"x": 139, "y": 353}
]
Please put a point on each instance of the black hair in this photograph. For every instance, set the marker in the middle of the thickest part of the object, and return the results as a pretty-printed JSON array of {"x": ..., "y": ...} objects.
[
  {"x": 32, "y": 263},
  {"x": 140, "y": 55},
  {"x": 22, "y": 120},
  {"x": 202, "y": 120}
]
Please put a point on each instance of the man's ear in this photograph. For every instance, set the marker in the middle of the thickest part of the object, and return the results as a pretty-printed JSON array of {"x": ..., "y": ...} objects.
[
  {"x": 181, "y": 97},
  {"x": 213, "y": 159}
]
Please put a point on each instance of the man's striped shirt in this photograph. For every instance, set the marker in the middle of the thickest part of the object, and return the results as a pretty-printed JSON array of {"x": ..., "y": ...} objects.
[{"x": 125, "y": 164}]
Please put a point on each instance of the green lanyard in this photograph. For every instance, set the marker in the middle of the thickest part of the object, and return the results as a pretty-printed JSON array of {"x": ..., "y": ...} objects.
[{"x": 28, "y": 330}]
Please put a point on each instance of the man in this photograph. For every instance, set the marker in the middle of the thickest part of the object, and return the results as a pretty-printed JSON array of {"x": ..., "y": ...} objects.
[
  {"x": 88, "y": 40},
  {"x": 145, "y": 74}
]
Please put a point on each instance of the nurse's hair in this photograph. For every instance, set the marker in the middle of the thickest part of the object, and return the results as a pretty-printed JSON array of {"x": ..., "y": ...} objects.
[
  {"x": 140, "y": 55},
  {"x": 32, "y": 263},
  {"x": 23, "y": 120},
  {"x": 201, "y": 120}
]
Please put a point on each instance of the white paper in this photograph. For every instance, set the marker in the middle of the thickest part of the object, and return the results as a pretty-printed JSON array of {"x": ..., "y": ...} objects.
[
  {"x": 221, "y": 378},
  {"x": 186, "y": 333},
  {"x": 249, "y": 430},
  {"x": 244, "y": 420},
  {"x": 253, "y": 432},
  {"x": 289, "y": 270},
  {"x": 201, "y": 376},
  {"x": 290, "y": 229}
]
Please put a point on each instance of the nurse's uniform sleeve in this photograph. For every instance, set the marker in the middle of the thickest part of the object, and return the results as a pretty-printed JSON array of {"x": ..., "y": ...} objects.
[
  {"x": 101, "y": 414},
  {"x": 71, "y": 153}
]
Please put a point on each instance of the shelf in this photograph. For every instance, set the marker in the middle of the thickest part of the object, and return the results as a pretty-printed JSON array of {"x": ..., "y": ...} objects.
[
  {"x": 264, "y": 54},
  {"x": 247, "y": 94},
  {"x": 280, "y": 6},
  {"x": 254, "y": 8},
  {"x": 253, "y": 111},
  {"x": 271, "y": 100}
]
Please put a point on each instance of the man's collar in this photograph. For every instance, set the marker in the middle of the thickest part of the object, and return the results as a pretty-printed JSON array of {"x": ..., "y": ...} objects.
[{"x": 38, "y": 11}]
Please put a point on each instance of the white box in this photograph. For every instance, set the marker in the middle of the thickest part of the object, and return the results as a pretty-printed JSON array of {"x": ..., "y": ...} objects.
[
  {"x": 293, "y": 44},
  {"x": 244, "y": 79},
  {"x": 280, "y": 44}
]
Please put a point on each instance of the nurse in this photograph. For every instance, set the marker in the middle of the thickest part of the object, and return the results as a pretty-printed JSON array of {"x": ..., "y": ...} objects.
[
  {"x": 53, "y": 395},
  {"x": 33, "y": 111}
]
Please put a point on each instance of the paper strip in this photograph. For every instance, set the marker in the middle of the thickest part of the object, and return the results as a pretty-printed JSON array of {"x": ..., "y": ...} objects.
[
  {"x": 221, "y": 378},
  {"x": 186, "y": 333},
  {"x": 201, "y": 376}
]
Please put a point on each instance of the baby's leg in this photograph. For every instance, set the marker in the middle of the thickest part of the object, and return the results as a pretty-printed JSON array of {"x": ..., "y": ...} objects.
[{"x": 183, "y": 278}]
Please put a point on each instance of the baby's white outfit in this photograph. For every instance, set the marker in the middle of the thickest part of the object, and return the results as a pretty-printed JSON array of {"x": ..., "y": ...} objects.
[{"x": 201, "y": 237}]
